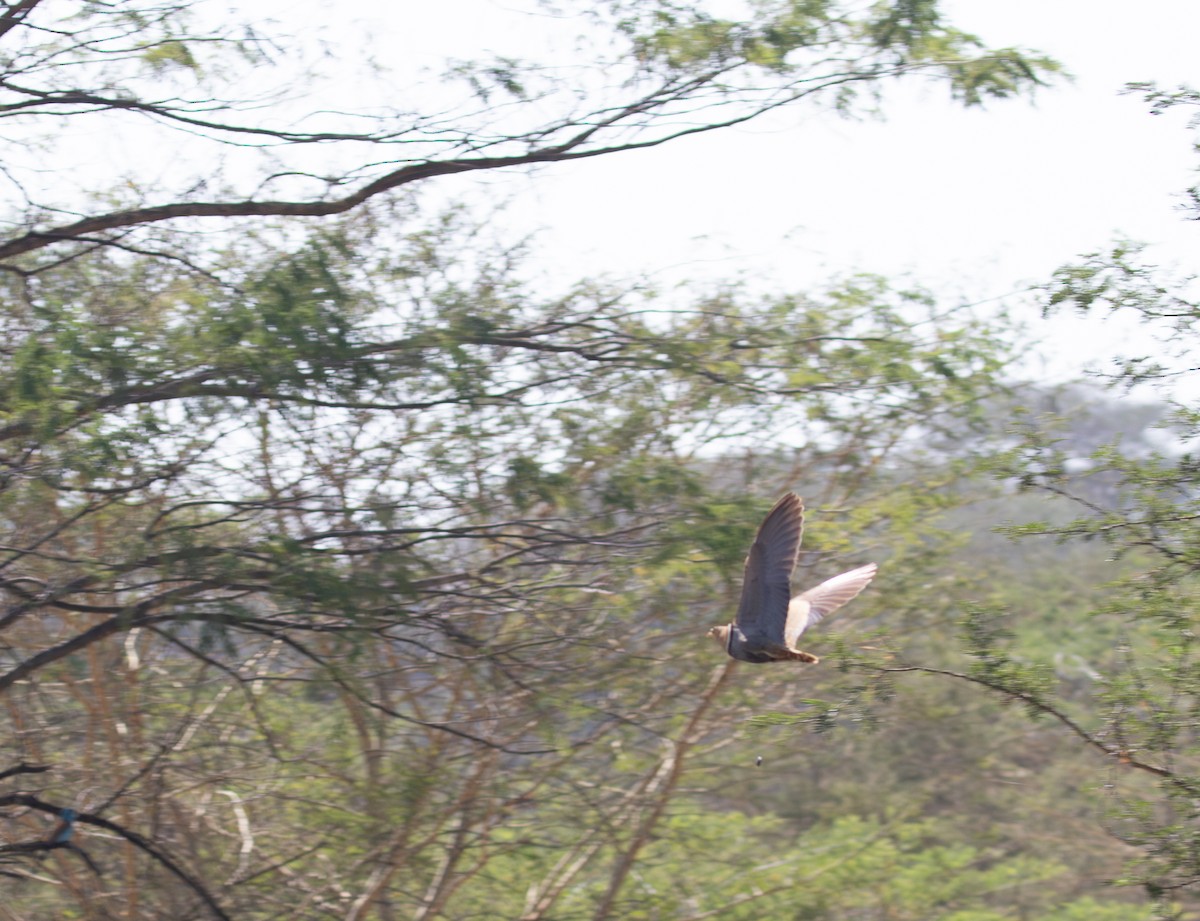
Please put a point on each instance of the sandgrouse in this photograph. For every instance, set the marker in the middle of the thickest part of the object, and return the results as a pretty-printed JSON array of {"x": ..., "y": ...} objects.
[{"x": 769, "y": 620}]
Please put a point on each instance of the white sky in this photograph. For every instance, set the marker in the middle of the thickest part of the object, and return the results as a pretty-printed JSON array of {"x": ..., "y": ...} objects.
[
  {"x": 971, "y": 203},
  {"x": 1001, "y": 194}
]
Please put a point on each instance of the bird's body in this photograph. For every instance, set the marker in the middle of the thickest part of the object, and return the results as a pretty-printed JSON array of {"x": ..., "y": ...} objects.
[{"x": 769, "y": 620}]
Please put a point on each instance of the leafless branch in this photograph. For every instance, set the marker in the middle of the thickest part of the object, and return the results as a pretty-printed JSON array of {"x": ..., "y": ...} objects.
[{"x": 32, "y": 802}]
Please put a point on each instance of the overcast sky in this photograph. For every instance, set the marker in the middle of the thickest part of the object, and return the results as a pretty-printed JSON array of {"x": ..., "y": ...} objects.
[
  {"x": 1001, "y": 194},
  {"x": 974, "y": 204},
  {"x": 971, "y": 203}
]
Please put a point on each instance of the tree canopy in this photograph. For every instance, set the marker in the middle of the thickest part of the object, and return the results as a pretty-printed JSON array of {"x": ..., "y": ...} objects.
[{"x": 350, "y": 571}]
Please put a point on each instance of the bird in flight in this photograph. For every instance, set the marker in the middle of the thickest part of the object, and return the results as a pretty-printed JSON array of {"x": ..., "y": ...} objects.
[{"x": 769, "y": 620}]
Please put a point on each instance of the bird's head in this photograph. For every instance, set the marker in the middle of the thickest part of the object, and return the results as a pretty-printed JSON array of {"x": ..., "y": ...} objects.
[{"x": 720, "y": 634}]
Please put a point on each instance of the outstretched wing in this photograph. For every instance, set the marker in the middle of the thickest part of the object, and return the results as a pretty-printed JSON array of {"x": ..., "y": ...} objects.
[
  {"x": 767, "y": 583},
  {"x": 819, "y": 602}
]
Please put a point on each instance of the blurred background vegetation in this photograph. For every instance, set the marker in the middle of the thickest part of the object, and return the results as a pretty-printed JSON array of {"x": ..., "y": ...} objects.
[{"x": 349, "y": 573}]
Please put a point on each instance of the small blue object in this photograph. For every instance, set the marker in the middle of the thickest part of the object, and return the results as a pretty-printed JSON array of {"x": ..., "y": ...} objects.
[{"x": 66, "y": 826}]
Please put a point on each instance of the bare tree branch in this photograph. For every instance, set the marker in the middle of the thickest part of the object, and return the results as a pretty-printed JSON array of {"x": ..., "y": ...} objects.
[
  {"x": 141, "y": 843},
  {"x": 1122, "y": 756}
]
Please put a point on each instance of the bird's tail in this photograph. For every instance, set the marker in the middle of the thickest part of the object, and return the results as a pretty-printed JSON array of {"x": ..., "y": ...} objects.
[{"x": 800, "y": 655}]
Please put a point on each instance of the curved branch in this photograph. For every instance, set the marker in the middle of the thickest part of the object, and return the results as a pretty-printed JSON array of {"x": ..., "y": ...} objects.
[
  {"x": 1123, "y": 756},
  {"x": 671, "y": 770},
  {"x": 15, "y": 14},
  {"x": 333, "y": 674},
  {"x": 135, "y": 616},
  {"x": 41, "y": 847},
  {"x": 24, "y": 768},
  {"x": 86, "y": 101},
  {"x": 142, "y": 844},
  {"x": 573, "y": 148},
  {"x": 414, "y": 172}
]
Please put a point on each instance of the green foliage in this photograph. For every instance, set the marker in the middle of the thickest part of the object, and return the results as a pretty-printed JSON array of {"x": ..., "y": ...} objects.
[
  {"x": 984, "y": 639},
  {"x": 1135, "y": 499},
  {"x": 419, "y": 533},
  {"x": 169, "y": 54},
  {"x": 365, "y": 575},
  {"x": 1161, "y": 101},
  {"x": 786, "y": 37}
]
